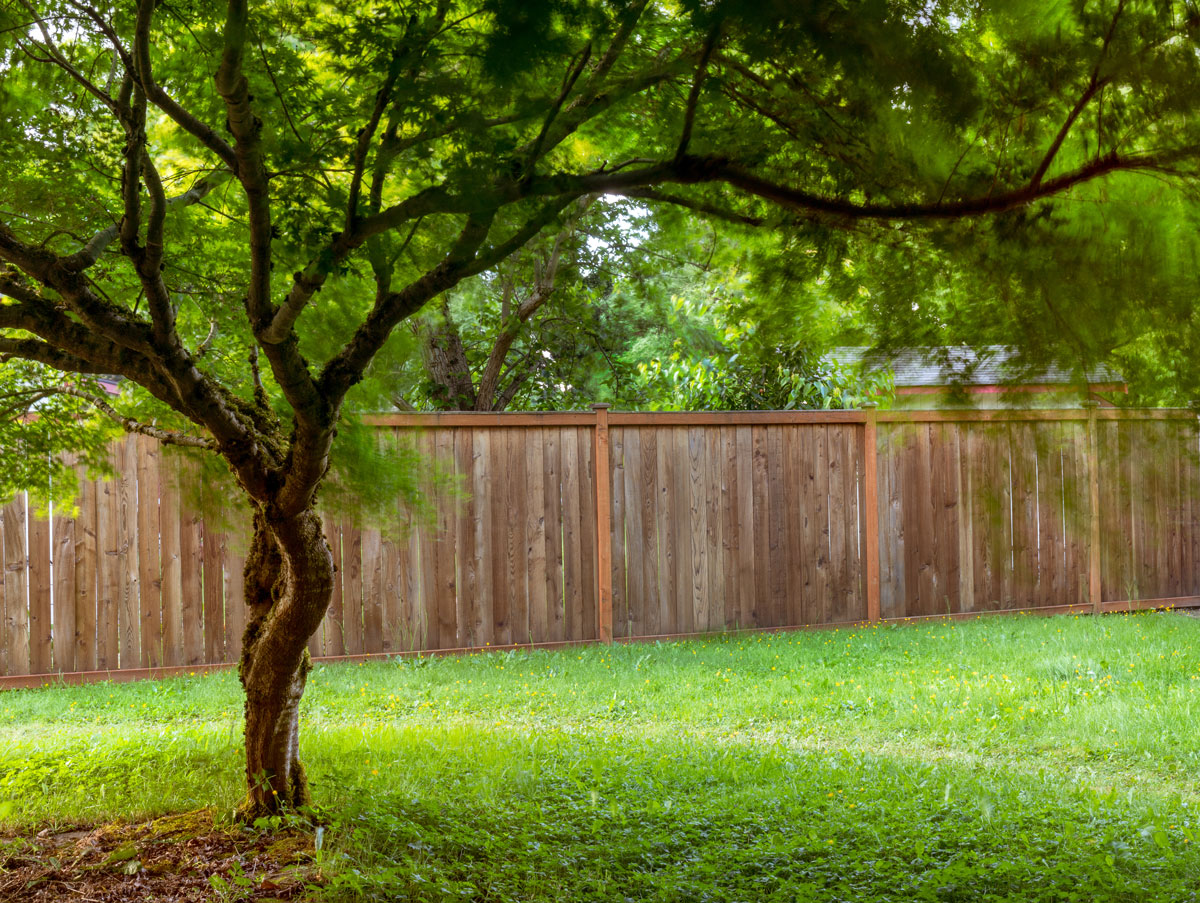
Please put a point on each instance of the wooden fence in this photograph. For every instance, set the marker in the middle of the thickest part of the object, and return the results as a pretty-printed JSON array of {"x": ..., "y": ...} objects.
[{"x": 692, "y": 523}]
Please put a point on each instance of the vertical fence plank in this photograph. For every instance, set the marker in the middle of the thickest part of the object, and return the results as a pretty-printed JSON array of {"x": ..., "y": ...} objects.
[
  {"x": 129, "y": 609},
  {"x": 618, "y": 571},
  {"x": 63, "y": 559},
  {"x": 555, "y": 577},
  {"x": 170, "y": 564},
  {"x": 682, "y": 525},
  {"x": 760, "y": 614},
  {"x": 516, "y": 556},
  {"x": 334, "y": 630},
  {"x": 1078, "y": 467},
  {"x": 352, "y": 588},
  {"x": 535, "y": 535},
  {"x": 870, "y": 513},
  {"x": 715, "y": 557},
  {"x": 498, "y": 627},
  {"x": 777, "y": 528},
  {"x": 214, "y": 594},
  {"x": 444, "y": 552},
  {"x": 572, "y": 549},
  {"x": 16, "y": 586},
  {"x": 602, "y": 480},
  {"x": 840, "y": 538},
  {"x": 372, "y": 589},
  {"x": 667, "y": 524},
  {"x": 464, "y": 540},
  {"x": 699, "y": 490},
  {"x": 637, "y": 595},
  {"x": 588, "y": 543},
  {"x": 731, "y": 526},
  {"x": 1026, "y": 575},
  {"x": 191, "y": 580},
  {"x": 109, "y": 578},
  {"x": 822, "y": 608},
  {"x": 483, "y": 480},
  {"x": 149, "y": 565},
  {"x": 40, "y": 653},
  {"x": 85, "y": 564},
  {"x": 853, "y": 585},
  {"x": 647, "y": 491},
  {"x": 233, "y": 556}
]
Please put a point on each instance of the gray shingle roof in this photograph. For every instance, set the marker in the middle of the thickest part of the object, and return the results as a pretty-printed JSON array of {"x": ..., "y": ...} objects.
[{"x": 988, "y": 365}]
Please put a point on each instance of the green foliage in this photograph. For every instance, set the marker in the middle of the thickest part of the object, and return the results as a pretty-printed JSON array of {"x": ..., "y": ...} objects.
[
  {"x": 1040, "y": 759},
  {"x": 37, "y": 427},
  {"x": 747, "y": 370}
]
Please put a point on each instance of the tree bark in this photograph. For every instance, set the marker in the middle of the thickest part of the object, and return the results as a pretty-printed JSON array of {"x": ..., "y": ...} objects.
[{"x": 288, "y": 586}]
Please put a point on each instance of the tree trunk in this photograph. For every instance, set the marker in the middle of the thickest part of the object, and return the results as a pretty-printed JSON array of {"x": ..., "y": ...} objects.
[{"x": 288, "y": 585}]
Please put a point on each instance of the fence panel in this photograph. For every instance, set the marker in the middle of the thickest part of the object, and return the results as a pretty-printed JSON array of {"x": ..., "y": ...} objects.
[{"x": 714, "y": 521}]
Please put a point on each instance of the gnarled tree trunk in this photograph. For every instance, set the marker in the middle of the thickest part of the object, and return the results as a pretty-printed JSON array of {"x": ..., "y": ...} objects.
[{"x": 288, "y": 585}]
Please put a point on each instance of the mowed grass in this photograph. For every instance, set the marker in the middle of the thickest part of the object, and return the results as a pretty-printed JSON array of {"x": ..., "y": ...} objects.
[{"x": 1011, "y": 758}]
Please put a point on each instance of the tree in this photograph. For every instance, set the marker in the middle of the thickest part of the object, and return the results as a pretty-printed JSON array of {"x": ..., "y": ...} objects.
[{"x": 235, "y": 210}]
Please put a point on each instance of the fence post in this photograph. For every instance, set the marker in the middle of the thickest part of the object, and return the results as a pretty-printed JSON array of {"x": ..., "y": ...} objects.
[
  {"x": 1093, "y": 507},
  {"x": 604, "y": 615},
  {"x": 871, "y": 510}
]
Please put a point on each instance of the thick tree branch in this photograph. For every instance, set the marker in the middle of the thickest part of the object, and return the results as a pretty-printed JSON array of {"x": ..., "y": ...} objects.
[
  {"x": 732, "y": 216},
  {"x": 51, "y": 355}
]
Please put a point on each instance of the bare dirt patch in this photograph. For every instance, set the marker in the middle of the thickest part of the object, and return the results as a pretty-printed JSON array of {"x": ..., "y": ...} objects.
[{"x": 176, "y": 859}]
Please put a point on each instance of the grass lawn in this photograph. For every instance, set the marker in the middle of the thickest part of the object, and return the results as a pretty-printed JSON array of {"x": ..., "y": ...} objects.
[{"x": 1012, "y": 758}]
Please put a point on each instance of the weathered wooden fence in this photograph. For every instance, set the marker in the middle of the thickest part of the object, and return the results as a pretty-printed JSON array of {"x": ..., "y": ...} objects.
[{"x": 691, "y": 523}]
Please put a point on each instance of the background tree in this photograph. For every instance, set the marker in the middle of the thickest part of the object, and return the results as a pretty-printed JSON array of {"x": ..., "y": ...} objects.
[{"x": 235, "y": 211}]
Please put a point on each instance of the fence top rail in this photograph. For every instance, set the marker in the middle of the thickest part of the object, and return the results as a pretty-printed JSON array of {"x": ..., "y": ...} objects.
[
  {"x": 742, "y": 418},
  {"x": 471, "y": 418}
]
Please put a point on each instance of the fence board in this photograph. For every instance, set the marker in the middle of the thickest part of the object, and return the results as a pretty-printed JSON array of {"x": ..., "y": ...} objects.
[
  {"x": 372, "y": 590},
  {"x": 352, "y": 629},
  {"x": 698, "y": 491},
  {"x": 85, "y": 563},
  {"x": 716, "y": 555},
  {"x": 129, "y": 613},
  {"x": 16, "y": 587},
  {"x": 170, "y": 525},
  {"x": 63, "y": 560},
  {"x": 635, "y": 537},
  {"x": 620, "y": 600},
  {"x": 555, "y": 566},
  {"x": 109, "y": 579},
  {"x": 148, "y": 550},
  {"x": 683, "y": 610},
  {"x": 40, "y": 627},
  {"x": 214, "y": 594}
]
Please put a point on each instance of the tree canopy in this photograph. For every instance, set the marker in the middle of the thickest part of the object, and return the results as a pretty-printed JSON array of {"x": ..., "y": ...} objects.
[{"x": 234, "y": 208}]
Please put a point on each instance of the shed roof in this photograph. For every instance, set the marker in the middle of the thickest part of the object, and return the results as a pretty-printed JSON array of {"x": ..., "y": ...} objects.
[{"x": 989, "y": 365}]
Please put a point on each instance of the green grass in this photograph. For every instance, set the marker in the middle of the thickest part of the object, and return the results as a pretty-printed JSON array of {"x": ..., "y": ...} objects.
[{"x": 1008, "y": 759}]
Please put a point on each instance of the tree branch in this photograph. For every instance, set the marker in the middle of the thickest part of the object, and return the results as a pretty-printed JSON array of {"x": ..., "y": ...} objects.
[
  {"x": 689, "y": 114},
  {"x": 732, "y": 216},
  {"x": 572, "y": 76},
  {"x": 1095, "y": 84}
]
